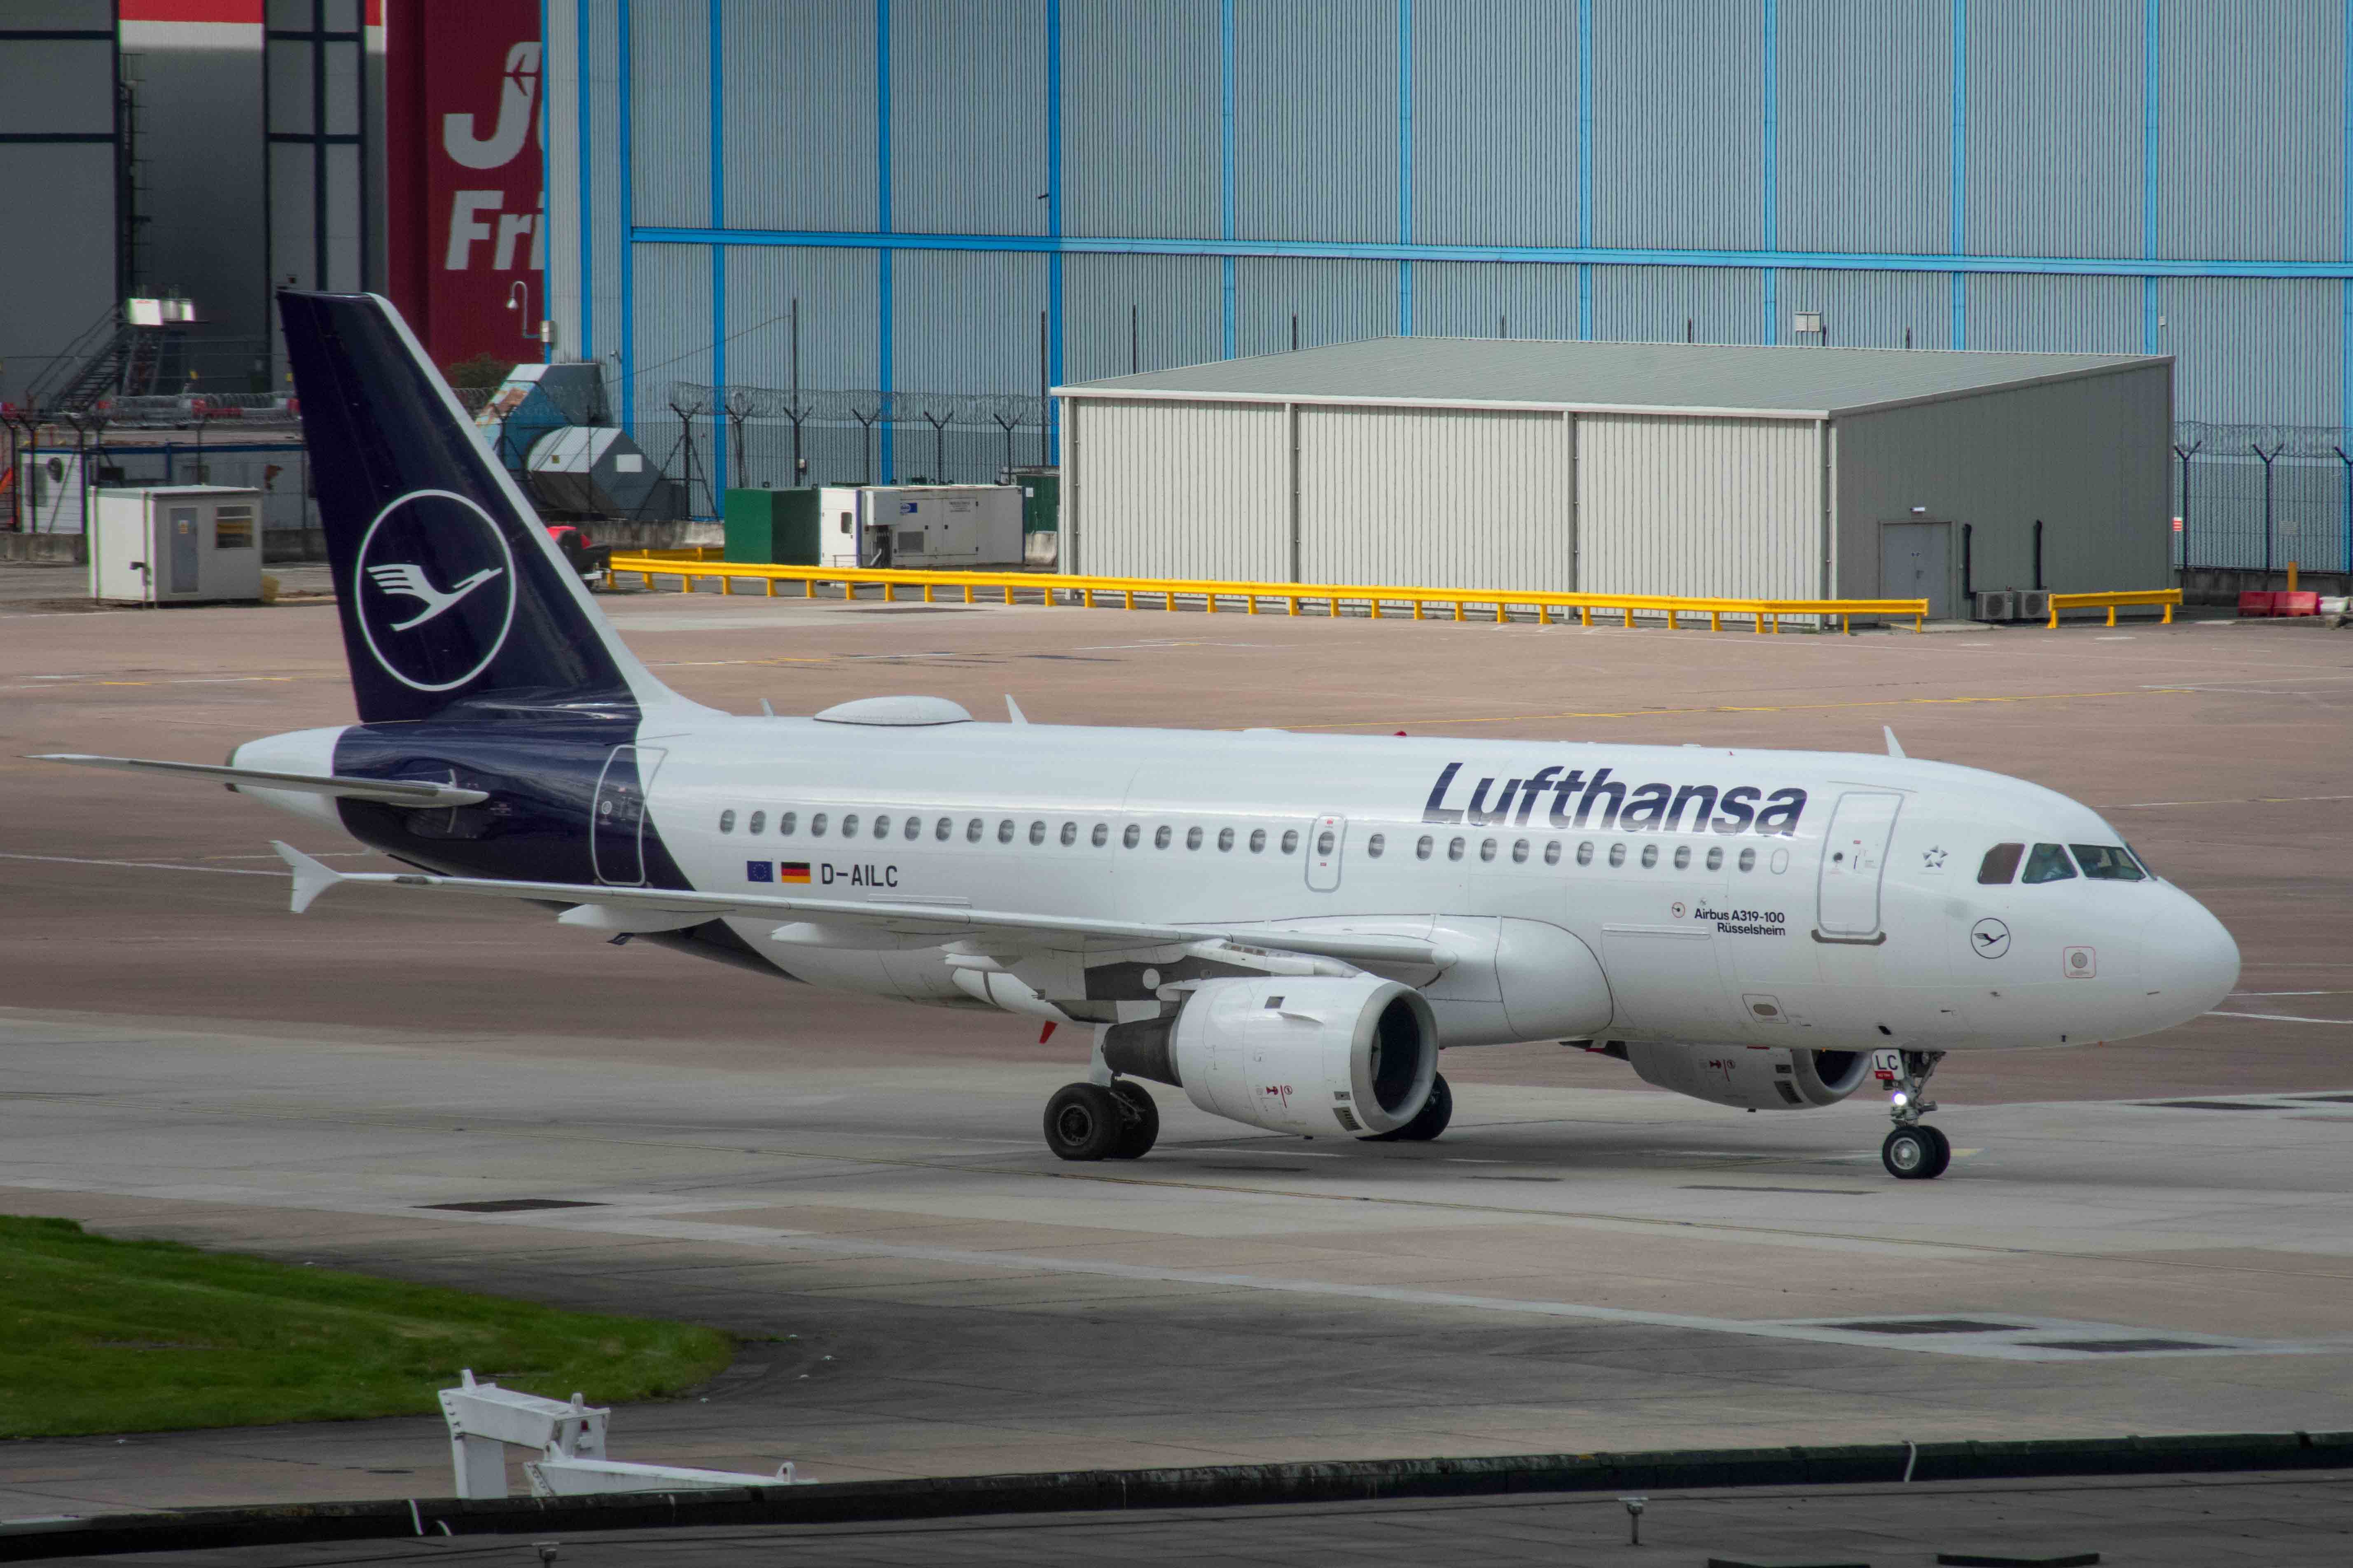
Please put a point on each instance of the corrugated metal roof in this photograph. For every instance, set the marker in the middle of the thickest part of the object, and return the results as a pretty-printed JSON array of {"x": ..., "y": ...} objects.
[{"x": 1549, "y": 374}]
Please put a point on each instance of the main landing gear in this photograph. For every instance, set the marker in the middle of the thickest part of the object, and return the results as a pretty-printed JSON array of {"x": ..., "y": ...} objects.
[
  {"x": 1099, "y": 1121},
  {"x": 1427, "y": 1122},
  {"x": 1915, "y": 1152}
]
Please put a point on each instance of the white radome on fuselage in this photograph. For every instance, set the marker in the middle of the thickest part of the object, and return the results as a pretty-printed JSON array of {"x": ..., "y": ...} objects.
[{"x": 1683, "y": 947}]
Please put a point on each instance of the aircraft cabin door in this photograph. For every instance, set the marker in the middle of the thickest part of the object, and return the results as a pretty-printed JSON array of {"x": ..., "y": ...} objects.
[
  {"x": 617, "y": 844},
  {"x": 1854, "y": 854},
  {"x": 1327, "y": 841}
]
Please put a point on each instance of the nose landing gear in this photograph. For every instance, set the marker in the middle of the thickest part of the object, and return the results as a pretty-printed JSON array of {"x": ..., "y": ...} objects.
[{"x": 1915, "y": 1152}]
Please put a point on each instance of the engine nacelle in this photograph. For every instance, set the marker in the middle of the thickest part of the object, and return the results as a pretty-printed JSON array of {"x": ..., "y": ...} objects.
[
  {"x": 1750, "y": 1078},
  {"x": 1292, "y": 1054}
]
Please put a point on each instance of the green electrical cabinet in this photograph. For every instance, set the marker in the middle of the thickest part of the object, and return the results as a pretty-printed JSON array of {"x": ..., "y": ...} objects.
[
  {"x": 772, "y": 527},
  {"x": 1042, "y": 498}
]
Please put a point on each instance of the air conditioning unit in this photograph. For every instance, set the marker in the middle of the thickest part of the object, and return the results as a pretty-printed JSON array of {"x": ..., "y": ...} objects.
[
  {"x": 1997, "y": 605},
  {"x": 2033, "y": 604}
]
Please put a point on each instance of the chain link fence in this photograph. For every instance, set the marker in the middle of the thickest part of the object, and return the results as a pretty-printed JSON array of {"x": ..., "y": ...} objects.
[{"x": 2256, "y": 497}]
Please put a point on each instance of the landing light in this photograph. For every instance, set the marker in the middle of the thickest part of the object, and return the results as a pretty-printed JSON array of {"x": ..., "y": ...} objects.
[{"x": 1899, "y": 1099}]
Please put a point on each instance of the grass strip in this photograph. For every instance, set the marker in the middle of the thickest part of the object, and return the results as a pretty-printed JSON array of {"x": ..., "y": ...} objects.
[{"x": 98, "y": 1335}]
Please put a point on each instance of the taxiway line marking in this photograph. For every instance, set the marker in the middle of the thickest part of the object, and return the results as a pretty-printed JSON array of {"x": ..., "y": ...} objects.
[
  {"x": 1763, "y": 708},
  {"x": 2276, "y": 1018},
  {"x": 144, "y": 865},
  {"x": 2246, "y": 800}
]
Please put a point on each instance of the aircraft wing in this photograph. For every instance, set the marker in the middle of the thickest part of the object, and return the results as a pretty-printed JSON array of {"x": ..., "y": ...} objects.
[
  {"x": 901, "y": 919},
  {"x": 391, "y": 792}
]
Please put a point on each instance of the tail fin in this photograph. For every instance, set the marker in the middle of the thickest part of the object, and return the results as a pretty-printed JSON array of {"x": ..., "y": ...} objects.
[{"x": 455, "y": 602}]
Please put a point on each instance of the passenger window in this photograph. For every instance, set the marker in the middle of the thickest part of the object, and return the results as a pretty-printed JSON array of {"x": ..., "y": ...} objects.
[
  {"x": 1375, "y": 845},
  {"x": 1552, "y": 853},
  {"x": 1748, "y": 860},
  {"x": 1422, "y": 849},
  {"x": 1617, "y": 854},
  {"x": 1225, "y": 839},
  {"x": 1519, "y": 851},
  {"x": 759, "y": 821},
  {"x": 1715, "y": 857},
  {"x": 1683, "y": 857},
  {"x": 2000, "y": 864},
  {"x": 1650, "y": 856},
  {"x": 1101, "y": 836},
  {"x": 1037, "y": 832},
  {"x": 1161, "y": 836},
  {"x": 1192, "y": 838},
  {"x": 726, "y": 822},
  {"x": 2100, "y": 862},
  {"x": 850, "y": 825},
  {"x": 882, "y": 826},
  {"x": 1585, "y": 853},
  {"x": 1258, "y": 840},
  {"x": 915, "y": 828},
  {"x": 786, "y": 822},
  {"x": 1454, "y": 850},
  {"x": 1291, "y": 843},
  {"x": 1005, "y": 830},
  {"x": 1069, "y": 834},
  {"x": 1130, "y": 834},
  {"x": 1486, "y": 849},
  {"x": 971, "y": 831},
  {"x": 817, "y": 825},
  {"x": 2049, "y": 863},
  {"x": 945, "y": 828}
]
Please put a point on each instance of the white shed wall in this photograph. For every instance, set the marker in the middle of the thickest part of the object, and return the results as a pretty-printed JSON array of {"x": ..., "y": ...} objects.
[
  {"x": 1429, "y": 497},
  {"x": 1175, "y": 490},
  {"x": 1702, "y": 507}
]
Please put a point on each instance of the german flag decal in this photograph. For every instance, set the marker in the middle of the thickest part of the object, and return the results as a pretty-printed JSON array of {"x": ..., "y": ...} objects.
[{"x": 792, "y": 871}]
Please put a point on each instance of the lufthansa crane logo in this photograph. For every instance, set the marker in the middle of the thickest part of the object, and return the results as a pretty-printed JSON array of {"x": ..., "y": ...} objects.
[{"x": 434, "y": 590}]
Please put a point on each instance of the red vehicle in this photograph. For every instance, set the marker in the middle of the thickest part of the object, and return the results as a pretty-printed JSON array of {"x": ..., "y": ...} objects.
[{"x": 588, "y": 559}]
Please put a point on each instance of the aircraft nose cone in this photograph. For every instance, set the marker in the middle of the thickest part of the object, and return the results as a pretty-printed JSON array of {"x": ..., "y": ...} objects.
[{"x": 2190, "y": 959}]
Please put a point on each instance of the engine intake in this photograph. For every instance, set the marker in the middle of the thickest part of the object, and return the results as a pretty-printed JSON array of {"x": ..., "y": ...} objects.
[
  {"x": 1292, "y": 1054},
  {"x": 1750, "y": 1078}
]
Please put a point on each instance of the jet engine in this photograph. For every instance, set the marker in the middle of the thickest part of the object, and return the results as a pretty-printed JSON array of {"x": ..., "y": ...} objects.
[
  {"x": 1292, "y": 1054},
  {"x": 1750, "y": 1078}
]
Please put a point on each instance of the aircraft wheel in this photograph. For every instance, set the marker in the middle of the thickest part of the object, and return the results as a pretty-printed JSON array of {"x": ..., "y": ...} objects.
[
  {"x": 1917, "y": 1154},
  {"x": 1140, "y": 1125},
  {"x": 1436, "y": 1112},
  {"x": 1083, "y": 1121}
]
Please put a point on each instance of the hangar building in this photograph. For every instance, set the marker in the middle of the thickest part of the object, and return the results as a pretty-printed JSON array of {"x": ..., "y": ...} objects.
[{"x": 1711, "y": 469}]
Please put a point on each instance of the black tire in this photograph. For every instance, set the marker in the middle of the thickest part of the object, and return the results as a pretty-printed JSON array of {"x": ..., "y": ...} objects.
[
  {"x": 1139, "y": 1121},
  {"x": 1910, "y": 1153},
  {"x": 1431, "y": 1120},
  {"x": 1083, "y": 1121},
  {"x": 1944, "y": 1151}
]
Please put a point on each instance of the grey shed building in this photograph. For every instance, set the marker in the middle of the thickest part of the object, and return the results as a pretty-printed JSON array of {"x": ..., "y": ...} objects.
[{"x": 1708, "y": 470}]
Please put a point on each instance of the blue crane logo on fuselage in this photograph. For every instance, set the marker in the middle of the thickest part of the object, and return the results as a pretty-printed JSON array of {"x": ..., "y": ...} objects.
[{"x": 434, "y": 589}]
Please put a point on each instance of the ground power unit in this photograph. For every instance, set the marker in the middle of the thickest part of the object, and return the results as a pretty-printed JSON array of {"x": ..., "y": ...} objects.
[
  {"x": 175, "y": 544},
  {"x": 937, "y": 527}
]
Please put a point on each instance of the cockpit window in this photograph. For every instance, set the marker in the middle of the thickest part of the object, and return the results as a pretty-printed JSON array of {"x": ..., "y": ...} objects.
[
  {"x": 2049, "y": 863},
  {"x": 2106, "y": 863},
  {"x": 2000, "y": 863},
  {"x": 2141, "y": 860}
]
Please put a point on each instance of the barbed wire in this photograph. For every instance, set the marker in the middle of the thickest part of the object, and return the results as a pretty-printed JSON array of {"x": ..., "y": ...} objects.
[
  {"x": 859, "y": 406},
  {"x": 2204, "y": 439}
]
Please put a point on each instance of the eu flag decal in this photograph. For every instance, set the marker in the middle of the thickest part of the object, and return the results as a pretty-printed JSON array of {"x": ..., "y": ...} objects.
[{"x": 759, "y": 870}]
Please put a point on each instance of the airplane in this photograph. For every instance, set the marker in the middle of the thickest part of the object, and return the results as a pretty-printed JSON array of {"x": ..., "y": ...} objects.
[{"x": 1289, "y": 929}]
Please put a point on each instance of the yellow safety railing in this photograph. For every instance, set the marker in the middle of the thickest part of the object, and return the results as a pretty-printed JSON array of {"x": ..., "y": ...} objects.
[
  {"x": 1051, "y": 588},
  {"x": 2169, "y": 597}
]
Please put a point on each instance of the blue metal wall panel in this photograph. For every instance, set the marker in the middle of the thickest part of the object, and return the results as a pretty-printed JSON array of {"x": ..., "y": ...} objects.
[
  {"x": 1140, "y": 116},
  {"x": 968, "y": 116},
  {"x": 2252, "y": 351},
  {"x": 799, "y": 99},
  {"x": 2055, "y": 127},
  {"x": 605, "y": 224},
  {"x": 967, "y": 320},
  {"x": 673, "y": 344},
  {"x": 560, "y": 105},
  {"x": 1864, "y": 116},
  {"x": 1490, "y": 299},
  {"x": 1494, "y": 123},
  {"x": 1868, "y": 309},
  {"x": 1679, "y": 103},
  {"x": 837, "y": 299},
  {"x": 2056, "y": 315},
  {"x": 1665, "y": 304},
  {"x": 1175, "y": 301},
  {"x": 669, "y": 112},
  {"x": 1335, "y": 302},
  {"x": 1316, "y": 121},
  {"x": 2251, "y": 158}
]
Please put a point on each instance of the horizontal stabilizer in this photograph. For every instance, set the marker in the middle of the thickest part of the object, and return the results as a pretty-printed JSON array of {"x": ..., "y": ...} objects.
[
  {"x": 311, "y": 878},
  {"x": 389, "y": 792}
]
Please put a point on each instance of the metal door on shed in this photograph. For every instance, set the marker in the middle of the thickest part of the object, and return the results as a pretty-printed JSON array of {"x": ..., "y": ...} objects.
[
  {"x": 1915, "y": 562},
  {"x": 184, "y": 550}
]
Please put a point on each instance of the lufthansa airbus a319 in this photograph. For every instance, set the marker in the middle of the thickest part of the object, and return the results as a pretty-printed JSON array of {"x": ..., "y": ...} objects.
[{"x": 1289, "y": 929}]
